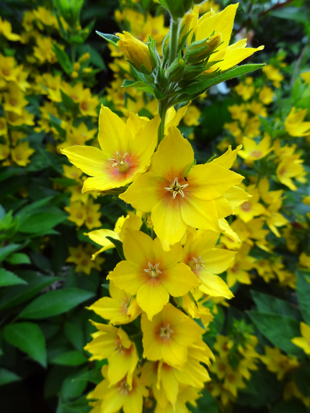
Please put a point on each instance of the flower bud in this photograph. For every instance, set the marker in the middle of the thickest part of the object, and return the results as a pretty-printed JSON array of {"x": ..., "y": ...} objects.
[
  {"x": 76, "y": 66},
  {"x": 84, "y": 57},
  {"x": 135, "y": 51},
  {"x": 200, "y": 50},
  {"x": 176, "y": 69}
]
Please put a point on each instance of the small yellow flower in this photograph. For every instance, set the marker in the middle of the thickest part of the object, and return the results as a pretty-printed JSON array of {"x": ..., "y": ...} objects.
[
  {"x": 304, "y": 341},
  {"x": 169, "y": 335},
  {"x": 295, "y": 125},
  {"x": 21, "y": 153},
  {"x": 6, "y": 30},
  {"x": 252, "y": 151},
  {"x": 273, "y": 74}
]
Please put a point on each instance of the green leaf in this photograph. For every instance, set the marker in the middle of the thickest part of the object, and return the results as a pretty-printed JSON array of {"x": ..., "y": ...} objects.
[
  {"x": 63, "y": 59},
  {"x": 55, "y": 302},
  {"x": 303, "y": 294},
  {"x": 77, "y": 406},
  {"x": 111, "y": 38},
  {"x": 74, "y": 333},
  {"x": 29, "y": 338},
  {"x": 289, "y": 406},
  {"x": 278, "y": 329},
  {"x": 139, "y": 85},
  {"x": 94, "y": 376},
  {"x": 119, "y": 247},
  {"x": 21, "y": 293},
  {"x": 69, "y": 103},
  {"x": 200, "y": 85},
  {"x": 270, "y": 304},
  {"x": 8, "y": 278},
  {"x": 7, "y": 376},
  {"x": 42, "y": 220},
  {"x": 302, "y": 379},
  {"x": 19, "y": 258},
  {"x": 6, "y": 251},
  {"x": 70, "y": 358}
]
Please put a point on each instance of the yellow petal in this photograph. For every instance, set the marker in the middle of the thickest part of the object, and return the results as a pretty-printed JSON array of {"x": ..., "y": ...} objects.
[
  {"x": 90, "y": 160},
  {"x": 152, "y": 297},
  {"x": 213, "y": 285},
  {"x": 179, "y": 280},
  {"x": 234, "y": 56},
  {"x": 173, "y": 157},
  {"x": 127, "y": 276},
  {"x": 218, "y": 260}
]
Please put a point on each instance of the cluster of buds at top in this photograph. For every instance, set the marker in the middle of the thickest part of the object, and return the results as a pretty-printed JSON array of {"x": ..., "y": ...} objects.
[{"x": 195, "y": 53}]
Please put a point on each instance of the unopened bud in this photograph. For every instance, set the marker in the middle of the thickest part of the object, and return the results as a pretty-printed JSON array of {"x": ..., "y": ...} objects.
[
  {"x": 135, "y": 51},
  {"x": 74, "y": 75},
  {"x": 192, "y": 71},
  {"x": 200, "y": 50},
  {"x": 84, "y": 57},
  {"x": 87, "y": 70},
  {"x": 176, "y": 69},
  {"x": 76, "y": 66}
]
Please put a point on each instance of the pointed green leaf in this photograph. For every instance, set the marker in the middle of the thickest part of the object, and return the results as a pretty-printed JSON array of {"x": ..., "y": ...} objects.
[
  {"x": 28, "y": 338},
  {"x": 7, "y": 376},
  {"x": 55, "y": 302},
  {"x": 8, "y": 278},
  {"x": 111, "y": 38}
]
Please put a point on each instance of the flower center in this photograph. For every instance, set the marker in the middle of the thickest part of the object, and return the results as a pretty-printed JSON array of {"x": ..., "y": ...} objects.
[
  {"x": 123, "y": 388},
  {"x": 120, "y": 162},
  {"x": 176, "y": 188},
  {"x": 246, "y": 206},
  {"x": 165, "y": 331},
  {"x": 153, "y": 270},
  {"x": 196, "y": 263},
  {"x": 256, "y": 154}
]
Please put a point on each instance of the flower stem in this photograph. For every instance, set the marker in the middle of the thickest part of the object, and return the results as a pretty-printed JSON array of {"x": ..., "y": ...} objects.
[
  {"x": 174, "y": 38},
  {"x": 162, "y": 114}
]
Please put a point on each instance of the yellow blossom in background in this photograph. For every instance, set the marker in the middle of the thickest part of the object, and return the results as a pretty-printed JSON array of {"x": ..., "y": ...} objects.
[
  {"x": 294, "y": 123},
  {"x": 273, "y": 74},
  {"x": 252, "y": 151},
  {"x": 6, "y": 31},
  {"x": 277, "y": 362},
  {"x": 306, "y": 76},
  {"x": 304, "y": 341},
  {"x": 266, "y": 95},
  {"x": 81, "y": 257},
  {"x": 21, "y": 154}
]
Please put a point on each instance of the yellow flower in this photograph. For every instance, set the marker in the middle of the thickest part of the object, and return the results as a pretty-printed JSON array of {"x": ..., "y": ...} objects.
[
  {"x": 252, "y": 127},
  {"x": 266, "y": 95},
  {"x": 6, "y": 30},
  {"x": 273, "y": 74},
  {"x": 277, "y": 362},
  {"x": 114, "y": 344},
  {"x": 222, "y": 24},
  {"x": 81, "y": 257},
  {"x": 222, "y": 346},
  {"x": 239, "y": 112},
  {"x": 295, "y": 125},
  {"x": 267, "y": 196},
  {"x": 258, "y": 109},
  {"x": 3, "y": 127},
  {"x": 151, "y": 273},
  {"x": 21, "y": 153},
  {"x": 250, "y": 208},
  {"x": 77, "y": 213},
  {"x": 8, "y": 71},
  {"x": 274, "y": 218},
  {"x": 291, "y": 167},
  {"x": 4, "y": 151},
  {"x": 177, "y": 194},
  {"x": 191, "y": 117},
  {"x": 169, "y": 335},
  {"x": 120, "y": 395},
  {"x": 245, "y": 91},
  {"x": 306, "y": 76},
  {"x": 135, "y": 51},
  {"x": 304, "y": 260},
  {"x": 304, "y": 341},
  {"x": 120, "y": 308},
  {"x": 100, "y": 235},
  {"x": 44, "y": 50},
  {"x": 14, "y": 100},
  {"x": 242, "y": 264},
  {"x": 125, "y": 153},
  {"x": 205, "y": 261},
  {"x": 252, "y": 151}
]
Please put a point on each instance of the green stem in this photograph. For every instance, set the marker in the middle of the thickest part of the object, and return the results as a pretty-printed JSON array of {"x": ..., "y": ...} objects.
[
  {"x": 162, "y": 114},
  {"x": 73, "y": 54},
  {"x": 174, "y": 39}
]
